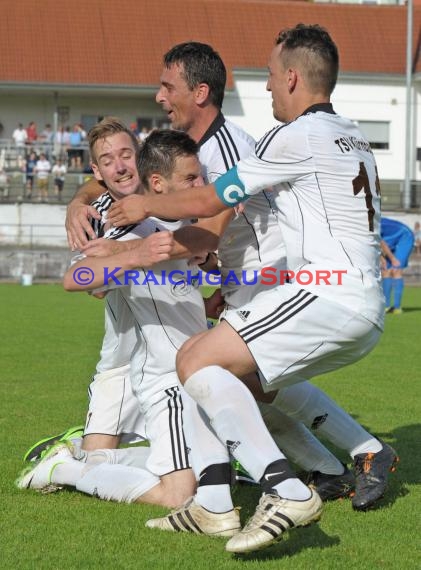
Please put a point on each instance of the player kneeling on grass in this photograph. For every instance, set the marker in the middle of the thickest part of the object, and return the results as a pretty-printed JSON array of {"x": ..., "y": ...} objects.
[{"x": 165, "y": 317}]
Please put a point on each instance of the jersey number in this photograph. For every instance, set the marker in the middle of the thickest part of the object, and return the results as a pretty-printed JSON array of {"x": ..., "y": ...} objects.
[{"x": 361, "y": 182}]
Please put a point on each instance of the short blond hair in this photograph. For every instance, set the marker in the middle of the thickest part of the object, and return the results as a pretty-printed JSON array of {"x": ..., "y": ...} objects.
[{"x": 107, "y": 127}]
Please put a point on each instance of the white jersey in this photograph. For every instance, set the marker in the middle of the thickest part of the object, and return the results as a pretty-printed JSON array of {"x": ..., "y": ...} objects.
[
  {"x": 168, "y": 309},
  {"x": 328, "y": 195},
  {"x": 120, "y": 335},
  {"x": 253, "y": 239}
]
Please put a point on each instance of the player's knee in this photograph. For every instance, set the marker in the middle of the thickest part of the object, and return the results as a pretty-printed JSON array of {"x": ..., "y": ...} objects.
[{"x": 187, "y": 362}]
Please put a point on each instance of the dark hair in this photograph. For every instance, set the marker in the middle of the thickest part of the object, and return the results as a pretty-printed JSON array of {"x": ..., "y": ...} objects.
[
  {"x": 160, "y": 150},
  {"x": 201, "y": 64},
  {"x": 107, "y": 127},
  {"x": 314, "y": 49}
]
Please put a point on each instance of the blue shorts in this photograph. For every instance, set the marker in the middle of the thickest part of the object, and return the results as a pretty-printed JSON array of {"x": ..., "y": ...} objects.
[{"x": 402, "y": 251}]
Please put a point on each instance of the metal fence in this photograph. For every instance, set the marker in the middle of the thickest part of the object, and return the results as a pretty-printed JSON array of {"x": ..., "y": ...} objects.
[
  {"x": 12, "y": 157},
  {"x": 31, "y": 236}
]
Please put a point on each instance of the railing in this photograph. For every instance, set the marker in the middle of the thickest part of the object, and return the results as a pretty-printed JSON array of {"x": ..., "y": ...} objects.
[
  {"x": 32, "y": 236},
  {"x": 12, "y": 156},
  {"x": 393, "y": 195}
]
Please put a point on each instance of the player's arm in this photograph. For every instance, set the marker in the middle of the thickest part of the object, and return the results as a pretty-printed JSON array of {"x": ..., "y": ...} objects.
[
  {"x": 388, "y": 254},
  {"x": 96, "y": 272},
  {"x": 204, "y": 202},
  {"x": 78, "y": 213},
  {"x": 202, "y": 236},
  {"x": 102, "y": 247},
  {"x": 189, "y": 241}
]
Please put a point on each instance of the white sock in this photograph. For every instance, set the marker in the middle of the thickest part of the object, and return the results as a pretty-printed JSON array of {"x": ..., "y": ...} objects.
[
  {"x": 77, "y": 446},
  {"x": 205, "y": 449},
  {"x": 131, "y": 456},
  {"x": 215, "y": 498},
  {"x": 235, "y": 417},
  {"x": 298, "y": 443},
  {"x": 204, "y": 445},
  {"x": 373, "y": 445},
  {"x": 118, "y": 483},
  {"x": 293, "y": 489},
  {"x": 316, "y": 410},
  {"x": 68, "y": 472}
]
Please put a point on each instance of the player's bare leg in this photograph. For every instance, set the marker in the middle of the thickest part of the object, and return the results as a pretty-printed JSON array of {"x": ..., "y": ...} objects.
[
  {"x": 173, "y": 490},
  {"x": 94, "y": 441}
]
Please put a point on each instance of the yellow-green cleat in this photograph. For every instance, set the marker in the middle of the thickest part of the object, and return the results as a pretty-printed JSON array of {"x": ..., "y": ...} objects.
[{"x": 35, "y": 451}]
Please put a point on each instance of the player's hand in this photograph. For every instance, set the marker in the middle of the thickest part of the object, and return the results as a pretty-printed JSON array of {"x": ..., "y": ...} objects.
[
  {"x": 214, "y": 305},
  {"x": 78, "y": 225},
  {"x": 395, "y": 262},
  {"x": 98, "y": 294},
  {"x": 127, "y": 211},
  {"x": 102, "y": 247},
  {"x": 153, "y": 249},
  {"x": 383, "y": 263}
]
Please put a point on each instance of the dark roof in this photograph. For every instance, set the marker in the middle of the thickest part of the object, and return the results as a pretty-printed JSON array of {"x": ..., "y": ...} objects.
[{"x": 121, "y": 42}]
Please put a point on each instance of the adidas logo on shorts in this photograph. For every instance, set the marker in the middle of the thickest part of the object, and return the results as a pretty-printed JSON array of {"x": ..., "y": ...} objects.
[
  {"x": 243, "y": 315},
  {"x": 232, "y": 445}
]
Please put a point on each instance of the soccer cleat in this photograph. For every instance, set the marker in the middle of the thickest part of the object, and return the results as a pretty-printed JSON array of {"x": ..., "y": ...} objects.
[
  {"x": 38, "y": 477},
  {"x": 331, "y": 487},
  {"x": 191, "y": 517},
  {"x": 394, "y": 311},
  {"x": 274, "y": 515},
  {"x": 35, "y": 452},
  {"x": 371, "y": 471},
  {"x": 240, "y": 475}
]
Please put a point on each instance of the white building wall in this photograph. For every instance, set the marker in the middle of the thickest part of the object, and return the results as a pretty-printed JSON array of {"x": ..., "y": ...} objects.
[
  {"x": 250, "y": 107},
  {"x": 377, "y": 102}
]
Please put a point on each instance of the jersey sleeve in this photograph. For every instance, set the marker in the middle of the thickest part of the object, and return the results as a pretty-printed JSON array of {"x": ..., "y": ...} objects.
[{"x": 282, "y": 155}]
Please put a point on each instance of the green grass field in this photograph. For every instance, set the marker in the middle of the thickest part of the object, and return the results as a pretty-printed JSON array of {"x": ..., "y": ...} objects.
[{"x": 49, "y": 347}]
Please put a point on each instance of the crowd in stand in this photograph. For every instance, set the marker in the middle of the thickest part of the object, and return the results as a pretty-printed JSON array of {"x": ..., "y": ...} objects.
[
  {"x": 67, "y": 143},
  {"x": 42, "y": 154}
]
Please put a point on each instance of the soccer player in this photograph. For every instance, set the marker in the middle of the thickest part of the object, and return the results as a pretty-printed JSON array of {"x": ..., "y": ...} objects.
[
  {"x": 191, "y": 93},
  {"x": 113, "y": 415},
  {"x": 165, "y": 316},
  {"x": 397, "y": 245},
  {"x": 327, "y": 193}
]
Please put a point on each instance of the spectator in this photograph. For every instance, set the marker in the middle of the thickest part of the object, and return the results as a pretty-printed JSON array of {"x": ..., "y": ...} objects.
[
  {"x": 59, "y": 172},
  {"x": 66, "y": 137},
  {"x": 135, "y": 129},
  {"x": 62, "y": 142},
  {"x": 32, "y": 133},
  {"x": 42, "y": 170},
  {"x": 143, "y": 134},
  {"x": 47, "y": 134},
  {"x": 75, "y": 151},
  {"x": 396, "y": 245},
  {"x": 29, "y": 169},
  {"x": 417, "y": 237},
  {"x": 47, "y": 138},
  {"x": 4, "y": 184},
  {"x": 20, "y": 136},
  {"x": 83, "y": 133}
]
